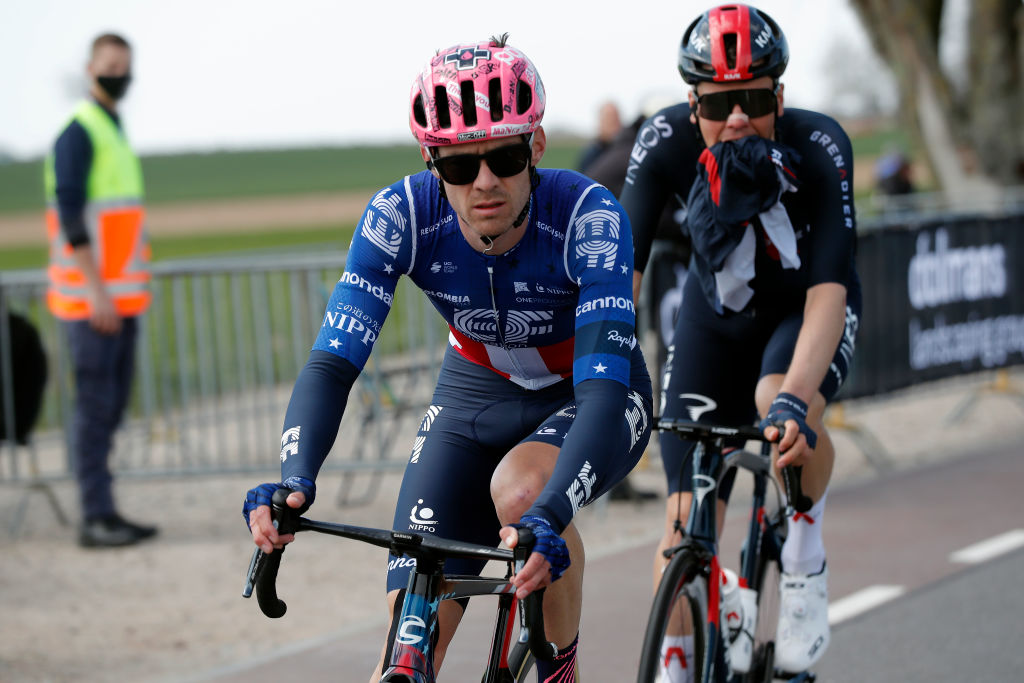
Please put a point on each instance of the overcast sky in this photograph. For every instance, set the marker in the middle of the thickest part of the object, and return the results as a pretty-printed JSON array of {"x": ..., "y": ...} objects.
[{"x": 213, "y": 74}]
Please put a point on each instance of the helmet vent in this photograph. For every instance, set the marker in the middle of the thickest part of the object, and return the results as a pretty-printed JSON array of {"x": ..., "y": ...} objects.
[
  {"x": 729, "y": 43},
  {"x": 418, "y": 112},
  {"x": 444, "y": 117},
  {"x": 468, "y": 103},
  {"x": 494, "y": 95},
  {"x": 524, "y": 97}
]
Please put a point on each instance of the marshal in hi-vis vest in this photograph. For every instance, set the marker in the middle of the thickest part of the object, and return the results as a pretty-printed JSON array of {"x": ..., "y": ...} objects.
[{"x": 114, "y": 218}]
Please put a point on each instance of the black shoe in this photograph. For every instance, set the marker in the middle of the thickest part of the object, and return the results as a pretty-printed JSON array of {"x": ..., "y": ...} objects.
[{"x": 112, "y": 532}]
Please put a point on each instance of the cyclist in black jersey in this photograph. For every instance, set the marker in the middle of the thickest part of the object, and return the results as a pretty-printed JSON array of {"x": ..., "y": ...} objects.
[{"x": 770, "y": 311}]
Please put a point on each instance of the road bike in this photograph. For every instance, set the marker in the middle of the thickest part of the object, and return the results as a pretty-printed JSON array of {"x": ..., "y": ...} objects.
[
  {"x": 412, "y": 641},
  {"x": 689, "y": 592}
]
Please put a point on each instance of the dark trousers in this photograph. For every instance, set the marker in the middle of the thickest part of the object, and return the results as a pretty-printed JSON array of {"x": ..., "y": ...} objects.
[{"x": 103, "y": 366}]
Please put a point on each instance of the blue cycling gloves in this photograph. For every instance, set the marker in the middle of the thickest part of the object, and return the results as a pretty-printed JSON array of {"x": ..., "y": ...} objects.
[
  {"x": 549, "y": 544},
  {"x": 789, "y": 407},
  {"x": 262, "y": 494}
]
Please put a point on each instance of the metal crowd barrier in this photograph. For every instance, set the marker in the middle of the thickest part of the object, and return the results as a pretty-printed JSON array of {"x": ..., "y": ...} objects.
[{"x": 217, "y": 355}]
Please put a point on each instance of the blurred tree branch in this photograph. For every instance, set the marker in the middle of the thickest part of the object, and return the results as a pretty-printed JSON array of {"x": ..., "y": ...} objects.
[{"x": 975, "y": 143}]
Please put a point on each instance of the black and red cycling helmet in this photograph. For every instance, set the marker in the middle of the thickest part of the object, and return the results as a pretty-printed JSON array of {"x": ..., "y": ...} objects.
[{"x": 732, "y": 43}]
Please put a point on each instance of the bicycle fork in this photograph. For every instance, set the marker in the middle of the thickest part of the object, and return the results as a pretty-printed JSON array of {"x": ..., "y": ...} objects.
[
  {"x": 412, "y": 657},
  {"x": 701, "y": 528}
]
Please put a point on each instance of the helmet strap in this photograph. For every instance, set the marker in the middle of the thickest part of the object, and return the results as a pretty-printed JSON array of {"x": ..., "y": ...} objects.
[{"x": 534, "y": 181}]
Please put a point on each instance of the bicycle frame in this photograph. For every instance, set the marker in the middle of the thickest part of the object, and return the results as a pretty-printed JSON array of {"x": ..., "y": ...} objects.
[
  {"x": 416, "y": 631},
  {"x": 412, "y": 654},
  {"x": 700, "y": 532},
  {"x": 758, "y": 525},
  {"x": 701, "y": 535}
]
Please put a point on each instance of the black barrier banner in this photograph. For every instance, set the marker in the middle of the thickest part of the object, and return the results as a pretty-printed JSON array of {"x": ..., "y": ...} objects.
[{"x": 940, "y": 299}]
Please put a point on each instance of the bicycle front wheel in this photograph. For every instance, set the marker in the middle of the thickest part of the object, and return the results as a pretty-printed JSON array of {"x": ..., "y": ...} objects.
[
  {"x": 768, "y": 570},
  {"x": 680, "y": 606}
]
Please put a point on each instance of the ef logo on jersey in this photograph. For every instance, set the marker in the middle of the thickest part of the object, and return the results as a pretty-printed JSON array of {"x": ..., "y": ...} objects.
[
  {"x": 383, "y": 224},
  {"x": 597, "y": 238}
]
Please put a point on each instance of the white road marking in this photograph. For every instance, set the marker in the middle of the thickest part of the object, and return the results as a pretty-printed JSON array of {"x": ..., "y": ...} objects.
[
  {"x": 862, "y": 601},
  {"x": 987, "y": 549}
]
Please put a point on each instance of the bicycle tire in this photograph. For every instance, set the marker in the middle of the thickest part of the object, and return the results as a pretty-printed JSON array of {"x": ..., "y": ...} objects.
[
  {"x": 682, "y": 591},
  {"x": 767, "y": 574}
]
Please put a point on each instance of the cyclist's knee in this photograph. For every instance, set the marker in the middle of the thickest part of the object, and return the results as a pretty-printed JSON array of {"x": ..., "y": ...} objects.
[
  {"x": 513, "y": 492},
  {"x": 519, "y": 478},
  {"x": 767, "y": 389}
]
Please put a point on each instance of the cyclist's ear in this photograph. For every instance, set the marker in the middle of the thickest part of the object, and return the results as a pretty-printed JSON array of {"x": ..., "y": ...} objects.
[
  {"x": 540, "y": 144},
  {"x": 428, "y": 160}
]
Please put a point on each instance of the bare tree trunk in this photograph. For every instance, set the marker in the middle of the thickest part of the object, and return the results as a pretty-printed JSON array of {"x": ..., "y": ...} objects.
[
  {"x": 994, "y": 97},
  {"x": 974, "y": 148}
]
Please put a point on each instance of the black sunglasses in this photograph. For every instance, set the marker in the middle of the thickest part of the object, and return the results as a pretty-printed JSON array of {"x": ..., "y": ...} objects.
[
  {"x": 504, "y": 162},
  {"x": 716, "y": 106}
]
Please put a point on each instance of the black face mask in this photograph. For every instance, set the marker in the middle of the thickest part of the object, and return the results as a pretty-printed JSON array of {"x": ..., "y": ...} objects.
[{"x": 115, "y": 86}]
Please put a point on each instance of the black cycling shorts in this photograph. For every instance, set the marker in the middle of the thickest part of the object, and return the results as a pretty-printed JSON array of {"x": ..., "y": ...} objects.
[
  {"x": 475, "y": 418},
  {"x": 715, "y": 363}
]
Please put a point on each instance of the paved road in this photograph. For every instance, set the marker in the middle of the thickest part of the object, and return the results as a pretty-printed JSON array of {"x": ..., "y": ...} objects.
[
  {"x": 890, "y": 541},
  {"x": 965, "y": 627}
]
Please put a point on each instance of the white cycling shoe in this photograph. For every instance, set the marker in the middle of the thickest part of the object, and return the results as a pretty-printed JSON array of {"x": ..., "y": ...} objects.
[{"x": 803, "y": 632}]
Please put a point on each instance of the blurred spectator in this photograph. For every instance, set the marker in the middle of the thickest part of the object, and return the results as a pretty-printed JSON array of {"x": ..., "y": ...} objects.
[
  {"x": 608, "y": 126},
  {"x": 99, "y": 279},
  {"x": 893, "y": 174}
]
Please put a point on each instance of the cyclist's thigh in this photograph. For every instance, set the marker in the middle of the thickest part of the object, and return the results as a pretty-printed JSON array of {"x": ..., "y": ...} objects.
[
  {"x": 779, "y": 352},
  {"x": 632, "y": 435},
  {"x": 445, "y": 490},
  {"x": 475, "y": 417},
  {"x": 710, "y": 376}
]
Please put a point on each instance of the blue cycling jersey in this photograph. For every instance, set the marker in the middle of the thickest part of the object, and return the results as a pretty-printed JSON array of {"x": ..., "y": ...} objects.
[
  {"x": 558, "y": 304},
  {"x": 551, "y": 312}
]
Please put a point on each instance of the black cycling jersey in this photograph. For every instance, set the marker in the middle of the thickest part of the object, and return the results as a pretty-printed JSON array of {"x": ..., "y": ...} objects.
[
  {"x": 664, "y": 163},
  {"x": 719, "y": 355}
]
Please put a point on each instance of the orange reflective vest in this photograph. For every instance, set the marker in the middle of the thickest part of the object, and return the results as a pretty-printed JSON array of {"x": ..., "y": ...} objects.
[{"x": 114, "y": 219}]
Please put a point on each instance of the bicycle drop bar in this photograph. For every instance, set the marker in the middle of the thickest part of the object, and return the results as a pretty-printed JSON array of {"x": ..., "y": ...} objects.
[
  {"x": 263, "y": 567},
  {"x": 699, "y": 431},
  {"x": 531, "y": 617},
  {"x": 795, "y": 498}
]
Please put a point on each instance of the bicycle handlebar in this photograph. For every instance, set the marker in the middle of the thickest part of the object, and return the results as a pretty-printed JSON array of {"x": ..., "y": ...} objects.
[
  {"x": 531, "y": 617},
  {"x": 699, "y": 431},
  {"x": 263, "y": 567}
]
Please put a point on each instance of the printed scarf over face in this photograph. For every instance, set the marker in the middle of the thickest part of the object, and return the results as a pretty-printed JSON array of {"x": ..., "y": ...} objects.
[{"x": 738, "y": 187}]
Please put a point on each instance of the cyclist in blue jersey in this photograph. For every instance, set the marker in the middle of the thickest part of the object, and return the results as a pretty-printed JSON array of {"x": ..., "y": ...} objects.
[
  {"x": 770, "y": 311},
  {"x": 543, "y": 401}
]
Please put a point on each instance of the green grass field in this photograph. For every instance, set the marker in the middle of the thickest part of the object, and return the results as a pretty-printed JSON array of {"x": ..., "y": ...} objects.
[
  {"x": 217, "y": 175},
  {"x": 188, "y": 177},
  {"x": 220, "y": 175}
]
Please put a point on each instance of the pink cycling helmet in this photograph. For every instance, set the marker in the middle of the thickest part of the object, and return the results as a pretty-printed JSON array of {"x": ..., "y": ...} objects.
[{"x": 481, "y": 91}]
